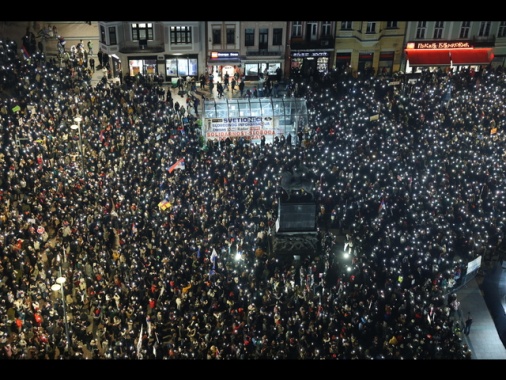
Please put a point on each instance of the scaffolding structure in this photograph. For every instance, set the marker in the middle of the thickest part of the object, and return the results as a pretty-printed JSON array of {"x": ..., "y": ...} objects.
[{"x": 252, "y": 118}]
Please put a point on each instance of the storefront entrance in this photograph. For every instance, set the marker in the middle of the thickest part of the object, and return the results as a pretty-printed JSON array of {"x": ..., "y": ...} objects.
[{"x": 219, "y": 71}]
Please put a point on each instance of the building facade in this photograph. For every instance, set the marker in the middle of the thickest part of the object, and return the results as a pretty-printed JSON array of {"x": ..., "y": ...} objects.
[
  {"x": 369, "y": 47},
  {"x": 162, "y": 48},
  {"x": 191, "y": 48},
  {"x": 252, "y": 49},
  {"x": 454, "y": 45},
  {"x": 263, "y": 49},
  {"x": 310, "y": 47}
]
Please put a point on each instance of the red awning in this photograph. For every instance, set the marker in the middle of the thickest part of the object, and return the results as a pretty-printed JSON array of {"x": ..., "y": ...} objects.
[
  {"x": 472, "y": 56},
  {"x": 428, "y": 57}
]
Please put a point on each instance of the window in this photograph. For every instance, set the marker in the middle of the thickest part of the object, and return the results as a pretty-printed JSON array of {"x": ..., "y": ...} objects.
[
  {"x": 102, "y": 35},
  {"x": 420, "y": 29},
  {"x": 249, "y": 37},
  {"x": 438, "y": 30},
  {"x": 464, "y": 29},
  {"x": 484, "y": 29},
  {"x": 346, "y": 25},
  {"x": 502, "y": 29},
  {"x": 392, "y": 25},
  {"x": 371, "y": 27},
  {"x": 326, "y": 29},
  {"x": 180, "y": 35},
  {"x": 216, "y": 36},
  {"x": 112, "y": 36},
  {"x": 230, "y": 36},
  {"x": 142, "y": 31},
  {"x": 263, "y": 38},
  {"x": 297, "y": 29},
  {"x": 277, "y": 36}
]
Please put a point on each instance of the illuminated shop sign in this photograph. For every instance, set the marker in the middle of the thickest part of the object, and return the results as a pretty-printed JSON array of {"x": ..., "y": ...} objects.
[
  {"x": 306, "y": 54},
  {"x": 439, "y": 45},
  {"x": 224, "y": 54}
]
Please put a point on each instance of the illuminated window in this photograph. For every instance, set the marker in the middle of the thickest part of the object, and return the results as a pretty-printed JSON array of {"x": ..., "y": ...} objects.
[
  {"x": 142, "y": 31},
  {"x": 180, "y": 35}
]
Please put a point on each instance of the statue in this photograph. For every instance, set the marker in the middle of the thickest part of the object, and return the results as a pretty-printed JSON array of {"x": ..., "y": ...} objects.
[{"x": 297, "y": 180}]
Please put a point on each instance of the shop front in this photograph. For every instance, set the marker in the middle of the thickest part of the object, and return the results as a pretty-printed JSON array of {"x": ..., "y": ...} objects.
[
  {"x": 181, "y": 66},
  {"x": 170, "y": 66},
  {"x": 254, "y": 70},
  {"x": 306, "y": 63},
  {"x": 220, "y": 63},
  {"x": 343, "y": 62},
  {"x": 447, "y": 55},
  {"x": 386, "y": 63},
  {"x": 145, "y": 66},
  {"x": 365, "y": 66}
]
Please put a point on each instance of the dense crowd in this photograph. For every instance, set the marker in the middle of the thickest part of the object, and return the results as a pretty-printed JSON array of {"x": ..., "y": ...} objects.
[{"x": 175, "y": 264}]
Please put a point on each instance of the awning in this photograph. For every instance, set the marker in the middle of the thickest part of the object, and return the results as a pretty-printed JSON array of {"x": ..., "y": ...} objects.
[
  {"x": 472, "y": 56},
  {"x": 428, "y": 57}
]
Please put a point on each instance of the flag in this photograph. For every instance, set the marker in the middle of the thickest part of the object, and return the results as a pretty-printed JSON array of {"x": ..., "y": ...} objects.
[
  {"x": 178, "y": 165},
  {"x": 164, "y": 205},
  {"x": 214, "y": 256},
  {"x": 148, "y": 322},
  {"x": 382, "y": 205},
  {"x": 139, "y": 342},
  {"x": 26, "y": 54}
]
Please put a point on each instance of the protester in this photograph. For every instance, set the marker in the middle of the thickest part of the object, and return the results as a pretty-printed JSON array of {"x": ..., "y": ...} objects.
[{"x": 468, "y": 323}]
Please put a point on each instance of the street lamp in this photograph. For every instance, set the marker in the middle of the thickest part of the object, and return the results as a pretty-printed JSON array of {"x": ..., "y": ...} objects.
[
  {"x": 60, "y": 282},
  {"x": 78, "y": 127}
]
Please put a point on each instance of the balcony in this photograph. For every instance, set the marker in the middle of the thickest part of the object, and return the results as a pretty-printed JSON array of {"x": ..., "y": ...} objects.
[
  {"x": 483, "y": 41},
  {"x": 321, "y": 43},
  {"x": 262, "y": 52},
  {"x": 129, "y": 47},
  {"x": 265, "y": 53}
]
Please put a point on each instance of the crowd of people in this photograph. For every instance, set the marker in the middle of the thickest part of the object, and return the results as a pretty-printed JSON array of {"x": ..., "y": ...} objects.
[{"x": 163, "y": 238}]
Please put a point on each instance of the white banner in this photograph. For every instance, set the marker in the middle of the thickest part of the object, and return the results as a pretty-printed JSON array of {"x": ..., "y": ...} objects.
[{"x": 252, "y": 127}]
